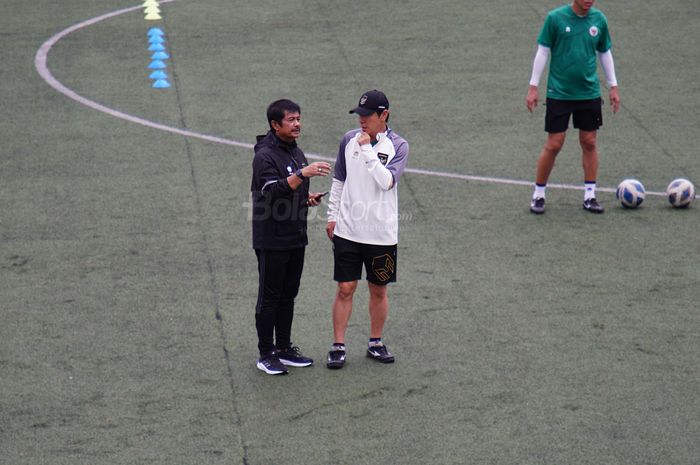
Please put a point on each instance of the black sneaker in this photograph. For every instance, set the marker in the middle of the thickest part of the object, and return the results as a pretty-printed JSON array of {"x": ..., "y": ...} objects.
[
  {"x": 537, "y": 206},
  {"x": 293, "y": 357},
  {"x": 271, "y": 364},
  {"x": 336, "y": 358},
  {"x": 592, "y": 206},
  {"x": 380, "y": 353}
]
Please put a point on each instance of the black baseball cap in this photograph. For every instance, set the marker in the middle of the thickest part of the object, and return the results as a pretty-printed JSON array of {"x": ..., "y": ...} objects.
[{"x": 371, "y": 102}]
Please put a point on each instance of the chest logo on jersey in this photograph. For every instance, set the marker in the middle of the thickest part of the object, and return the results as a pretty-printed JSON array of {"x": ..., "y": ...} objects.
[
  {"x": 289, "y": 169},
  {"x": 593, "y": 31},
  {"x": 568, "y": 29},
  {"x": 383, "y": 158}
]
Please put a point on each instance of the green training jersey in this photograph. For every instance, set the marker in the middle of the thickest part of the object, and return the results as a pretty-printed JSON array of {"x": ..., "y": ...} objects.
[{"x": 574, "y": 41}]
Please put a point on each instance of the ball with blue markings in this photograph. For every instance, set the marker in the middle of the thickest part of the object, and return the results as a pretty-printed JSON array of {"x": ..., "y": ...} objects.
[
  {"x": 630, "y": 193},
  {"x": 680, "y": 192}
]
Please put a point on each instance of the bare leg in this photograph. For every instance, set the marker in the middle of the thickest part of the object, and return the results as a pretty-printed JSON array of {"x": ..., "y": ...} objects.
[
  {"x": 587, "y": 139},
  {"x": 378, "y": 309},
  {"x": 342, "y": 309},
  {"x": 545, "y": 163}
]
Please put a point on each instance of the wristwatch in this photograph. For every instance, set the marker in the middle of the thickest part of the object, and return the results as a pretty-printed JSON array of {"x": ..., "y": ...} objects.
[{"x": 299, "y": 174}]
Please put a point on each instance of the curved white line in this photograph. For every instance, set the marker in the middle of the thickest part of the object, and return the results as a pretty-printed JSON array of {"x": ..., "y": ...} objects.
[
  {"x": 43, "y": 70},
  {"x": 40, "y": 63}
]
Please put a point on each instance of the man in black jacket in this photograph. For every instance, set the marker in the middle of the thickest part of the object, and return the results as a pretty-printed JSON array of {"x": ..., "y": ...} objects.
[{"x": 281, "y": 197}]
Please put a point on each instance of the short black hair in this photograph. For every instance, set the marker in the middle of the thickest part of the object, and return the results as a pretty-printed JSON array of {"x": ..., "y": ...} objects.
[{"x": 277, "y": 109}]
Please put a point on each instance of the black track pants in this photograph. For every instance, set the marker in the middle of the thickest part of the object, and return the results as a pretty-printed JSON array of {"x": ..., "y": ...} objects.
[{"x": 279, "y": 276}]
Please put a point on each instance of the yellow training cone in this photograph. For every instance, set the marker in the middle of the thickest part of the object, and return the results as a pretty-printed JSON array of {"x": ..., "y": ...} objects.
[
  {"x": 152, "y": 17},
  {"x": 152, "y": 9}
]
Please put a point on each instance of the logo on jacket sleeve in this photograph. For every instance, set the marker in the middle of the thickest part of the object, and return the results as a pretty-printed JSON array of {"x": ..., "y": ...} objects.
[{"x": 383, "y": 158}]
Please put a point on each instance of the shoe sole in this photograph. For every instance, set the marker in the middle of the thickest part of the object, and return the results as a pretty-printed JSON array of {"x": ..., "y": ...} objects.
[
  {"x": 379, "y": 359},
  {"x": 262, "y": 367},
  {"x": 536, "y": 212},
  {"x": 597, "y": 212},
  {"x": 335, "y": 365},
  {"x": 289, "y": 363}
]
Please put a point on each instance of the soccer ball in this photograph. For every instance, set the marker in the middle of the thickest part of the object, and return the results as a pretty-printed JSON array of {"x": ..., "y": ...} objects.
[
  {"x": 630, "y": 193},
  {"x": 680, "y": 192}
]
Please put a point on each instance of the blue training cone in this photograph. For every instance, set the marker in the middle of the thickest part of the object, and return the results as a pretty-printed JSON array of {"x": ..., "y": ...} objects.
[
  {"x": 155, "y": 31},
  {"x": 158, "y": 74},
  {"x": 156, "y": 48},
  {"x": 156, "y": 40},
  {"x": 161, "y": 84},
  {"x": 160, "y": 56},
  {"x": 157, "y": 64}
]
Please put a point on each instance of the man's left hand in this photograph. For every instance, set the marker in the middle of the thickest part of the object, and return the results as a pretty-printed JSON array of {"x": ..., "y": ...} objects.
[
  {"x": 614, "y": 99},
  {"x": 314, "y": 200}
]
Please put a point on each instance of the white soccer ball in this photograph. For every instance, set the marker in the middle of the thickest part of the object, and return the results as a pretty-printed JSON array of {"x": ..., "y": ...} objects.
[
  {"x": 680, "y": 192},
  {"x": 630, "y": 193}
]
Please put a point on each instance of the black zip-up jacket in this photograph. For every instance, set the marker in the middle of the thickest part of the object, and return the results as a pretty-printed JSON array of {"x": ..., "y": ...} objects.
[{"x": 279, "y": 213}]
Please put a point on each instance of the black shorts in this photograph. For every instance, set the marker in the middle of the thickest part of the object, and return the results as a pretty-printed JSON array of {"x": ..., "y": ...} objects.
[
  {"x": 349, "y": 256},
  {"x": 588, "y": 114}
]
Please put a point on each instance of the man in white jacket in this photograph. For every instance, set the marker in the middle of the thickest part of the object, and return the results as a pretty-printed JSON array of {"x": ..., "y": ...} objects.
[
  {"x": 363, "y": 221},
  {"x": 573, "y": 35}
]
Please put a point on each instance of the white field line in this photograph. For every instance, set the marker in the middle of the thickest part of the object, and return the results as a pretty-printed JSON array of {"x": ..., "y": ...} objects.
[{"x": 40, "y": 62}]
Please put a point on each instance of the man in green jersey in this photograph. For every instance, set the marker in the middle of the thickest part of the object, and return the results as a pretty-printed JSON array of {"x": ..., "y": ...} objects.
[{"x": 574, "y": 35}]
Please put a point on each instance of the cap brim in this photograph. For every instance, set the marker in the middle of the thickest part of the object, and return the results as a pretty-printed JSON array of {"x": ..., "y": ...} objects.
[{"x": 362, "y": 111}]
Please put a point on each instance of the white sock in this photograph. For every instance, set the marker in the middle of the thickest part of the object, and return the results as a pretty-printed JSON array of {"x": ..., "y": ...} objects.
[
  {"x": 539, "y": 191},
  {"x": 589, "y": 192}
]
